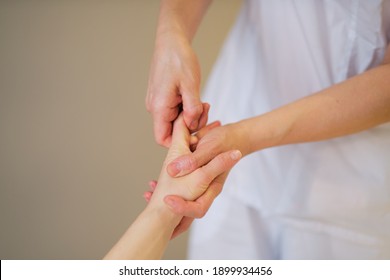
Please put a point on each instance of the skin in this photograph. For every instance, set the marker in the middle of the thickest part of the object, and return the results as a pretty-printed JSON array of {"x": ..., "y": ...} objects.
[
  {"x": 150, "y": 233},
  {"x": 174, "y": 79},
  {"x": 357, "y": 104},
  {"x": 178, "y": 204}
]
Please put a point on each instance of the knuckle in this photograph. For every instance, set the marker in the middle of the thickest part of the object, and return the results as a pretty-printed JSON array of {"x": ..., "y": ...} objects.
[
  {"x": 157, "y": 105},
  {"x": 155, "y": 101},
  {"x": 148, "y": 107},
  {"x": 185, "y": 228},
  {"x": 202, "y": 211},
  {"x": 193, "y": 192},
  {"x": 217, "y": 189},
  {"x": 159, "y": 139},
  {"x": 172, "y": 113},
  {"x": 204, "y": 177},
  {"x": 194, "y": 110},
  {"x": 224, "y": 161},
  {"x": 162, "y": 111}
]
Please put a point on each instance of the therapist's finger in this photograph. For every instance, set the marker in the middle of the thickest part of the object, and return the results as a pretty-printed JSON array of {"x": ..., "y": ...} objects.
[
  {"x": 182, "y": 227},
  {"x": 187, "y": 163},
  {"x": 203, "y": 176},
  {"x": 164, "y": 110},
  {"x": 203, "y": 117},
  {"x": 162, "y": 132},
  {"x": 218, "y": 165},
  {"x": 199, "y": 207},
  {"x": 207, "y": 128},
  {"x": 197, "y": 136},
  {"x": 194, "y": 209},
  {"x": 192, "y": 108}
]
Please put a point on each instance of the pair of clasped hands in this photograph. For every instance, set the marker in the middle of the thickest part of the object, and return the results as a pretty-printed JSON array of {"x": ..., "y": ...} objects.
[
  {"x": 178, "y": 196},
  {"x": 199, "y": 158}
]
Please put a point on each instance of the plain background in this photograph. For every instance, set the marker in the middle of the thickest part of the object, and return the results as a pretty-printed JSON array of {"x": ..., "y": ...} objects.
[{"x": 76, "y": 143}]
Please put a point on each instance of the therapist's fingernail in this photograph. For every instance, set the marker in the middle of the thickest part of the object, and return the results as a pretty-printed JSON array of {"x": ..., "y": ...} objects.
[
  {"x": 175, "y": 168},
  {"x": 194, "y": 125},
  {"x": 235, "y": 155}
]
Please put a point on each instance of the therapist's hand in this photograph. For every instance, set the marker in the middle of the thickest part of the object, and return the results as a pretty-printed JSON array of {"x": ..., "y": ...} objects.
[
  {"x": 190, "y": 209},
  {"x": 174, "y": 82}
]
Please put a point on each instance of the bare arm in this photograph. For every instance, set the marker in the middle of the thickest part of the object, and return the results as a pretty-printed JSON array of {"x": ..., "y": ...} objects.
[
  {"x": 355, "y": 105},
  {"x": 181, "y": 17}
]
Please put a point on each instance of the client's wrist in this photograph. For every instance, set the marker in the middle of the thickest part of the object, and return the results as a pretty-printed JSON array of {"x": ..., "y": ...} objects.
[{"x": 163, "y": 213}]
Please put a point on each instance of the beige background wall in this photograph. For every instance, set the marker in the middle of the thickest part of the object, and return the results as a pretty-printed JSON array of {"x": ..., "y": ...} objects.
[{"x": 76, "y": 144}]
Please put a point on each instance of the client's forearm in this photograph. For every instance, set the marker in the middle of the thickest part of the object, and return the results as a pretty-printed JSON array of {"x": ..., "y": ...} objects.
[{"x": 148, "y": 236}]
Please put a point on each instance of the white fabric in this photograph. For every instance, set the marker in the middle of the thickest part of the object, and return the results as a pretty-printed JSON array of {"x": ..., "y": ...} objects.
[
  {"x": 277, "y": 52},
  {"x": 234, "y": 230}
]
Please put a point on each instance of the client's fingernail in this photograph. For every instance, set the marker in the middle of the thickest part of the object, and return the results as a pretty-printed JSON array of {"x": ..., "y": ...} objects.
[
  {"x": 235, "y": 155},
  {"x": 193, "y": 139},
  {"x": 147, "y": 196}
]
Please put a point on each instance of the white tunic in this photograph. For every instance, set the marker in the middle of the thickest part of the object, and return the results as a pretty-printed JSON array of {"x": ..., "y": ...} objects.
[{"x": 282, "y": 50}]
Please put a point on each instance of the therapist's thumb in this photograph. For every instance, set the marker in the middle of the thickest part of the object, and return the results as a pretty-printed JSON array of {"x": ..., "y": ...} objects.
[
  {"x": 186, "y": 164},
  {"x": 192, "y": 110}
]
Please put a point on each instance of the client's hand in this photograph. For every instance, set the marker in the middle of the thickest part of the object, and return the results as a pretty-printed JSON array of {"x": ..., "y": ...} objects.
[
  {"x": 148, "y": 236},
  {"x": 213, "y": 140},
  {"x": 191, "y": 186}
]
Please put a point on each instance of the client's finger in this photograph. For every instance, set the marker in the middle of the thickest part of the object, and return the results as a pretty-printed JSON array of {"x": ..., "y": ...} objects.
[
  {"x": 204, "y": 117},
  {"x": 147, "y": 196},
  {"x": 207, "y": 128},
  {"x": 180, "y": 134},
  {"x": 152, "y": 184}
]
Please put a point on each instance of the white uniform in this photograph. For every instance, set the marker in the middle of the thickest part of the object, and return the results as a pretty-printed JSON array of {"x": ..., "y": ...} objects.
[{"x": 323, "y": 200}]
